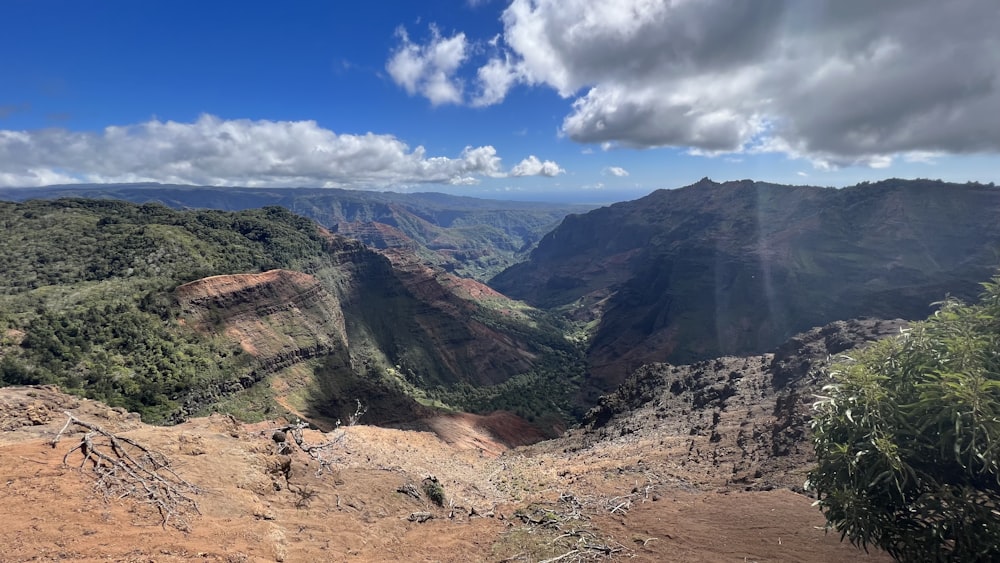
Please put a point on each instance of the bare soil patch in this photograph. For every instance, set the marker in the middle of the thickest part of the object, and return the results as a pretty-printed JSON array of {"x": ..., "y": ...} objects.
[{"x": 525, "y": 504}]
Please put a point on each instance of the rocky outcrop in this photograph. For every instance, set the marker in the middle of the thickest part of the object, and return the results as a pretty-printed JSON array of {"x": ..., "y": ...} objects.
[
  {"x": 276, "y": 316},
  {"x": 745, "y": 420}
]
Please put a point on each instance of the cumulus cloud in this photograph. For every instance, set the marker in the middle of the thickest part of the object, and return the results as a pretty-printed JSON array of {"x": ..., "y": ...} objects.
[
  {"x": 495, "y": 79},
  {"x": 531, "y": 166},
  {"x": 616, "y": 171},
  {"x": 212, "y": 151},
  {"x": 845, "y": 82},
  {"x": 429, "y": 70}
]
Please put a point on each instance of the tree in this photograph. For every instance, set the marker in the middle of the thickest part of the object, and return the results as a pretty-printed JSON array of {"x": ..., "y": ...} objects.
[{"x": 908, "y": 439}]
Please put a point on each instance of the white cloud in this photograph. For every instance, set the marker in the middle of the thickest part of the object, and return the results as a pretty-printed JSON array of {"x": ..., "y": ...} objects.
[
  {"x": 495, "y": 79},
  {"x": 616, "y": 171},
  {"x": 531, "y": 166},
  {"x": 880, "y": 161},
  {"x": 212, "y": 151},
  {"x": 429, "y": 70},
  {"x": 844, "y": 83},
  {"x": 923, "y": 157}
]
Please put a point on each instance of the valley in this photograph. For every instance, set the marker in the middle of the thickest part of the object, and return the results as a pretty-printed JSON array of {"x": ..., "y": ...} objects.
[
  {"x": 633, "y": 381},
  {"x": 739, "y": 267}
]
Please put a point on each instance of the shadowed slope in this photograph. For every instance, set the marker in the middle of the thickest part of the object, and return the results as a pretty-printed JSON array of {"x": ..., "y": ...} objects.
[{"x": 736, "y": 268}]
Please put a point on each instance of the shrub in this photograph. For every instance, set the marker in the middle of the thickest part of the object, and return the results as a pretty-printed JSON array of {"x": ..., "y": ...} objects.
[
  {"x": 908, "y": 439},
  {"x": 434, "y": 490}
]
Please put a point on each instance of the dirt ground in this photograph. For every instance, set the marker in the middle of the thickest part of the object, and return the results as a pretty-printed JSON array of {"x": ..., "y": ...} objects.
[{"x": 627, "y": 502}]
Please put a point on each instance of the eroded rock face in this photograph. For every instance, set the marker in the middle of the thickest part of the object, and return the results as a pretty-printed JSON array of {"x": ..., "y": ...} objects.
[
  {"x": 744, "y": 419},
  {"x": 33, "y": 406},
  {"x": 451, "y": 315},
  {"x": 363, "y": 313},
  {"x": 278, "y": 316}
]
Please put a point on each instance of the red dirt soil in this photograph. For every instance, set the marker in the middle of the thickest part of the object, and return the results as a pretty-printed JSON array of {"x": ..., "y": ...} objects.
[{"x": 259, "y": 506}]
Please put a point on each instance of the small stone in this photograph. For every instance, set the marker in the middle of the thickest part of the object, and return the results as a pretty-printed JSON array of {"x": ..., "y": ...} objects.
[{"x": 420, "y": 517}]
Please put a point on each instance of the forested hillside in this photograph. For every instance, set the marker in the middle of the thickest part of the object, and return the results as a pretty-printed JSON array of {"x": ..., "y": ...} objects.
[
  {"x": 98, "y": 298},
  {"x": 471, "y": 237}
]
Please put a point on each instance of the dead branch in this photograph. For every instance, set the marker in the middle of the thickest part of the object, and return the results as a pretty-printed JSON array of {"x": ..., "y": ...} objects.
[
  {"x": 410, "y": 490},
  {"x": 315, "y": 451},
  {"x": 569, "y": 524},
  {"x": 319, "y": 452},
  {"x": 569, "y": 553},
  {"x": 623, "y": 506},
  {"x": 123, "y": 468}
]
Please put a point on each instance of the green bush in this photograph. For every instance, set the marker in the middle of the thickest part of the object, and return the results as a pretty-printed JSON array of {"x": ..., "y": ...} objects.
[
  {"x": 434, "y": 490},
  {"x": 908, "y": 439}
]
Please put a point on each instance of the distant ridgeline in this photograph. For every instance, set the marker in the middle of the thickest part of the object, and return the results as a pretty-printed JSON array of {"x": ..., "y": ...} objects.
[
  {"x": 736, "y": 268},
  {"x": 257, "y": 312},
  {"x": 472, "y": 237},
  {"x": 174, "y": 313}
]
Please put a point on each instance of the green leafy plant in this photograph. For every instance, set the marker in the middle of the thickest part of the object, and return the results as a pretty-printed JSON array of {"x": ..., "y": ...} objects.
[
  {"x": 434, "y": 490},
  {"x": 908, "y": 439}
]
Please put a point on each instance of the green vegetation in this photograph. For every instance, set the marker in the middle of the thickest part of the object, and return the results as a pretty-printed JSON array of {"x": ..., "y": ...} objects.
[
  {"x": 71, "y": 241},
  {"x": 434, "y": 490},
  {"x": 87, "y": 302},
  {"x": 908, "y": 439},
  {"x": 546, "y": 395},
  {"x": 86, "y": 295},
  {"x": 472, "y": 237}
]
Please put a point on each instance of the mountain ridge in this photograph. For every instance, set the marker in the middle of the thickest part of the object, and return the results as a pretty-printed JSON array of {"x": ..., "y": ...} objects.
[
  {"x": 473, "y": 237},
  {"x": 734, "y": 268}
]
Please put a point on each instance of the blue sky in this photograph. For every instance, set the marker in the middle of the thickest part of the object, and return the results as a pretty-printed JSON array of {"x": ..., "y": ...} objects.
[{"x": 585, "y": 100}]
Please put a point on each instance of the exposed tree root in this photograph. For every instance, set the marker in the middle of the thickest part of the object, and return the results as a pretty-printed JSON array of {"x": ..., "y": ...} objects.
[{"x": 123, "y": 468}]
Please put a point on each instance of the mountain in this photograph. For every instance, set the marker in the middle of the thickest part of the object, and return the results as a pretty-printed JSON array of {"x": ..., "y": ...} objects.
[
  {"x": 471, "y": 237},
  {"x": 172, "y": 313},
  {"x": 736, "y": 268}
]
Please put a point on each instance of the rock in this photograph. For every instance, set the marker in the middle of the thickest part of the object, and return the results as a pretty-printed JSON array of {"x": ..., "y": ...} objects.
[{"x": 420, "y": 517}]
